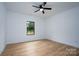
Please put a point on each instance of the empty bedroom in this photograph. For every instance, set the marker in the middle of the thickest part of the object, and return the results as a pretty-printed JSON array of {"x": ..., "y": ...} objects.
[{"x": 39, "y": 28}]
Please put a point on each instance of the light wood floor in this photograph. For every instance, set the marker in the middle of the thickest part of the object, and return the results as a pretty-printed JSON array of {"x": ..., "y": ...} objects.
[{"x": 40, "y": 48}]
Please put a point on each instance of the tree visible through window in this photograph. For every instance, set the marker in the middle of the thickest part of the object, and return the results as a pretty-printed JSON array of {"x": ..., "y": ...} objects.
[{"x": 30, "y": 27}]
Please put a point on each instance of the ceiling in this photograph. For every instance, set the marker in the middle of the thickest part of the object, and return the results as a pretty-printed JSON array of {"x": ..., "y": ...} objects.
[{"x": 26, "y": 8}]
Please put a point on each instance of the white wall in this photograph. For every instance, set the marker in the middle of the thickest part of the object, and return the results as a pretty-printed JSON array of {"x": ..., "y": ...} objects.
[
  {"x": 2, "y": 27},
  {"x": 16, "y": 28},
  {"x": 64, "y": 27}
]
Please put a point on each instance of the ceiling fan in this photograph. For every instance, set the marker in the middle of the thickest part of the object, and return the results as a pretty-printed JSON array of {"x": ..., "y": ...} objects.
[{"x": 41, "y": 7}]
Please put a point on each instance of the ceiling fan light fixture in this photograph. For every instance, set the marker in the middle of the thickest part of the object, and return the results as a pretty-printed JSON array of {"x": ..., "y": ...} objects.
[{"x": 41, "y": 9}]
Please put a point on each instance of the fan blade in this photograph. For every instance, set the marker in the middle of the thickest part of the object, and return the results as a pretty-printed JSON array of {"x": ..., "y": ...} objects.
[
  {"x": 44, "y": 3},
  {"x": 37, "y": 10},
  {"x": 48, "y": 8},
  {"x": 43, "y": 12},
  {"x": 35, "y": 6}
]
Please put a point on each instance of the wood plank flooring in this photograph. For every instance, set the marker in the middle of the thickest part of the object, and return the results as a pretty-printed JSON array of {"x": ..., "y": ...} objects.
[{"x": 40, "y": 48}]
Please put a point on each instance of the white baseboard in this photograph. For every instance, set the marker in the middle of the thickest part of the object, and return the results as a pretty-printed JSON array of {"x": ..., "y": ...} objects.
[{"x": 73, "y": 45}]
